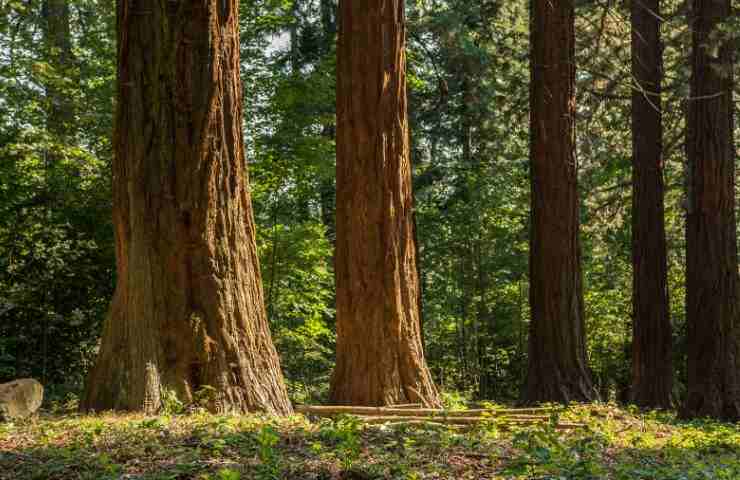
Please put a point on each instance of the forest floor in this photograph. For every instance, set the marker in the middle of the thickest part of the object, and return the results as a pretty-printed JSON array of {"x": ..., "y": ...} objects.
[{"x": 614, "y": 444}]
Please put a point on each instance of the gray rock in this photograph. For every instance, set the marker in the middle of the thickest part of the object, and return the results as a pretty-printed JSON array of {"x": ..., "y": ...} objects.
[{"x": 20, "y": 398}]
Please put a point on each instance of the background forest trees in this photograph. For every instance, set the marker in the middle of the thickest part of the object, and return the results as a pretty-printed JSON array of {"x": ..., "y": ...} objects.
[{"x": 468, "y": 88}]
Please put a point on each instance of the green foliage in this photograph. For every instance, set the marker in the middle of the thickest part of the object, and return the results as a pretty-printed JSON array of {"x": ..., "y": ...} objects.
[
  {"x": 228, "y": 474},
  {"x": 56, "y": 252},
  {"x": 615, "y": 444},
  {"x": 468, "y": 96},
  {"x": 468, "y": 74},
  {"x": 344, "y": 435},
  {"x": 267, "y": 440},
  {"x": 171, "y": 404},
  {"x": 291, "y": 118}
]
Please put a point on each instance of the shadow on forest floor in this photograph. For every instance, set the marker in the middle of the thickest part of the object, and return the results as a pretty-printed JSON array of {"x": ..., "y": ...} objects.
[{"x": 615, "y": 444}]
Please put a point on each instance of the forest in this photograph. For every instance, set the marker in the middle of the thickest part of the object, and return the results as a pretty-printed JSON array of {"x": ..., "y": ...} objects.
[{"x": 369, "y": 239}]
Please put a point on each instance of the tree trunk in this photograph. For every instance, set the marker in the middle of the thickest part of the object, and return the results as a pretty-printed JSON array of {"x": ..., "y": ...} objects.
[
  {"x": 295, "y": 54},
  {"x": 652, "y": 368},
  {"x": 188, "y": 309},
  {"x": 557, "y": 369},
  {"x": 380, "y": 360},
  {"x": 58, "y": 40},
  {"x": 420, "y": 275},
  {"x": 711, "y": 243},
  {"x": 328, "y": 21},
  {"x": 484, "y": 320}
]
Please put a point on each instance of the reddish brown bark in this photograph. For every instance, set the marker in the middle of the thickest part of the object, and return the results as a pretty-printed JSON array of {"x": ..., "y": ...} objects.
[
  {"x": 380, "y": 360},
  {"x": 711, "y": 238},
  {"x": 652, "y": 367},
  {"x": 188, "y": 309},
  {"x": 557, "y": 370}
]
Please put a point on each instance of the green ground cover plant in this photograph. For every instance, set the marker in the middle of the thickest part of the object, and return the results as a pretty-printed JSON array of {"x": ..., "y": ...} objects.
[{"x": 615, "y": 443}]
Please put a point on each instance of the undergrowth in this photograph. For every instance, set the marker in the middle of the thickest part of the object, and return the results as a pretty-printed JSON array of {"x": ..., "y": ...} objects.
[{"x": 615, "y": 444}]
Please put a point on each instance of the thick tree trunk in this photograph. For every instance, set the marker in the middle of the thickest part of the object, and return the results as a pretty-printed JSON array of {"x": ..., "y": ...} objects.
[
  {"x": 188, "y": 309},
  {"x": 711, "y": 243},
  {"x": 380, "y": 360},
  {"x": 652, "y": 368},
  {"x": 557, "y": 369}
]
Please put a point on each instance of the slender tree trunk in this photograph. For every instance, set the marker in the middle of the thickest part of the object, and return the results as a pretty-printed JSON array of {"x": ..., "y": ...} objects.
[
  {"x": 484, "y": 339},
  {"x": 711, "y": 243},
  {"x": 465, "y": 233},
  {"x": 557, "y": 369},
  {"x": 421, "y": 276},
  {"x": 327, "y": 186},
  {"x": 464, "y": 301},
  {"x": 188, "y": 309},
  {"x": 328, "y": 21},
  {"x": 652, "y": 369},
  {"x": 295, "y": 61},
  {"x": 60, "y": 108},
  {"x": 58, "y": 40},
  {"x": 327, "y": 193},
  {"x": 380, "y": 360}
]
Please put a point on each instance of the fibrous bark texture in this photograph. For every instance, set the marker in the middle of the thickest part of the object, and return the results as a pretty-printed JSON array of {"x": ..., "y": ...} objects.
[
  {"x": 380, "y": 360},
  {"x": 188, "y": 310},
  {"x": 557, "y": 368},
  {"x": 711, "y": 238},
  {"x": 652, "y": 366}
]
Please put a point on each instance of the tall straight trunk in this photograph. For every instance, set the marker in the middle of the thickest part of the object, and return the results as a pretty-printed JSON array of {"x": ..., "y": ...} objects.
[
  {"x": 557, "y": 370},
  {"x": 58, "y": 43},
  {"x": 422, "y": 278},
  {"x": 328, "y": 21},
  {"x": 484, "y": 319},
  {"x": 188, "y": 309},
  {"x": 380, "y": 360},
  {"x": 652, "y": 369},
  {"x": 711, "y": 243},
  {"x": 295, "y": 61},
  {"x": 327, "y": 187}
]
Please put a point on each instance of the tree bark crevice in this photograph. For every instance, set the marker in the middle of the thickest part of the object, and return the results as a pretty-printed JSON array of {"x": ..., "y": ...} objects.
[
  {"x": 711, "y": 238},
  {"x": 380, "y": 359},
  {"x": 652, "y": 362},
  {"x": 557, "y": 366},
  {"x": 188, "y": 309}
]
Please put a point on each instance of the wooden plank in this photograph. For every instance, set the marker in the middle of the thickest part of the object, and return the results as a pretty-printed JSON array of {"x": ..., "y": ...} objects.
[
  {"x": 407, "y": 405},
  {"x": 508, "y": 422},
  {"x": 430, "y": 412}
]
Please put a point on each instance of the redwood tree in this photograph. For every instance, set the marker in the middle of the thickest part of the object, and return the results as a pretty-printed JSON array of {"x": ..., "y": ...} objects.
[
  {"x": 188, "y": 309},
  {"x": 652, "y": 368},
  {"x": 711, "y": 238},
  {"x": 380, "y": 360},
  {"x": 557, "y": 369}
]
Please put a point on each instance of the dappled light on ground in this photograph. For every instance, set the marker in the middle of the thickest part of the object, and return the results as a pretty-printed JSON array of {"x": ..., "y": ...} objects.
[{"x": 614, "y": 444}]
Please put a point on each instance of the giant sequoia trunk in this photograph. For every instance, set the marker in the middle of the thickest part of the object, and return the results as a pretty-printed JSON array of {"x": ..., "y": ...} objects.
[
  {"x": 557, "y": 368},
  {"x": 652, "y": 368},
  {"x": 379, "y": 353},
  {"x": 188, "y": 309},
  {"x": 711, "y": 250}
]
